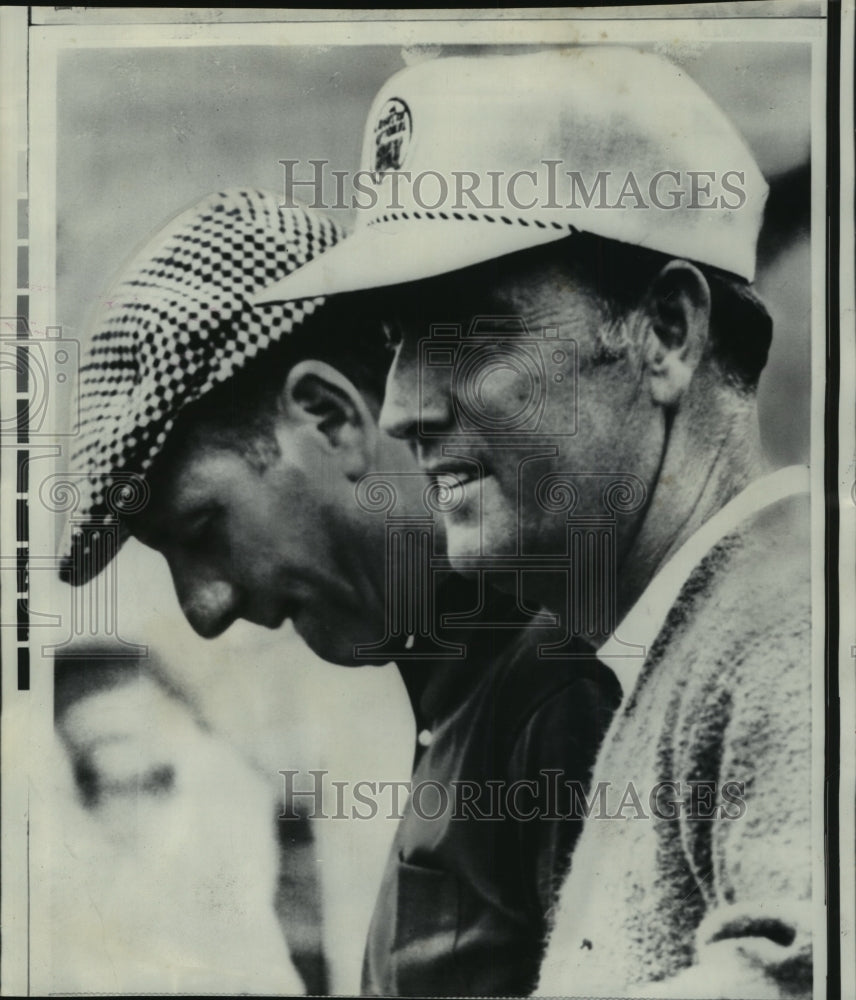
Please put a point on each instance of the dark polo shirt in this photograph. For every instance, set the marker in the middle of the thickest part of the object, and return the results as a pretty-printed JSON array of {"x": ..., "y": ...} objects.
[{"x": 464, "y": 904}]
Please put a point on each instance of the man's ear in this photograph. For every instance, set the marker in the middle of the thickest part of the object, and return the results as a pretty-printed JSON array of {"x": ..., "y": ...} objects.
[
  {"x": 319, "y": 398},
  {"x": 676, "y": 312}
]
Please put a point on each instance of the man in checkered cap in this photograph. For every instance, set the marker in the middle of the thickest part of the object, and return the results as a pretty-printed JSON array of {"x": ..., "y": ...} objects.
[
  {"x": 564, "y": 244},
  {"x": 234, "y": 438}
]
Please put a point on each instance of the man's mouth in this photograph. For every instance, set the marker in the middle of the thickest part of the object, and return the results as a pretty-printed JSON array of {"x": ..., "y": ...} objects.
[{"x": 455, "y": 483}]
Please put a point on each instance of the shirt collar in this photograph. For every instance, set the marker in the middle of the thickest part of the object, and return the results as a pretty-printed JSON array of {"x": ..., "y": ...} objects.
[
  {"x": 626, "y": 649},
  {"x": 437, "y": 685}
]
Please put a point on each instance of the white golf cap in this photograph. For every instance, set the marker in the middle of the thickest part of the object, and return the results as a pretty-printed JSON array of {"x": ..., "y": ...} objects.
[{"x": 479, "y": 156}]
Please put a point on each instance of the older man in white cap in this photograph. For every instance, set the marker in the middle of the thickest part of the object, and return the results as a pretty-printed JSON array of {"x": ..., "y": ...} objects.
[{"x": 579, "y": 347}]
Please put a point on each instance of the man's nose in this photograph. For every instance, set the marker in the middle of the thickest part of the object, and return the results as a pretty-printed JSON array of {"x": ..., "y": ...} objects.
[
  {"x": 399, "y": 416},
  {"x": 416, "y": 398},
  {"x": 210, "y": 605}
]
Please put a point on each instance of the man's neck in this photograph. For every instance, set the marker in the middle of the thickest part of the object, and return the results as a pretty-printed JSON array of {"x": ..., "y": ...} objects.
[{"x": 699, "y": 474}]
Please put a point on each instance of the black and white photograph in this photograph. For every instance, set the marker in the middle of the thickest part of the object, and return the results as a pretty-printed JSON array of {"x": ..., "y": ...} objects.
[{"x": 428, "y": 459}]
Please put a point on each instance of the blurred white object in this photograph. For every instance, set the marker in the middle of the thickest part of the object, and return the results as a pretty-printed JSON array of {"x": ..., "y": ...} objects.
[
  {"x": 272, "y": 699},
  {"x": 165, "y": 884}
]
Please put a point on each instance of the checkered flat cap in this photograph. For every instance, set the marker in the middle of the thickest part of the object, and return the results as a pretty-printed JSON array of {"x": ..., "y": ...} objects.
[{"x": 179, "y": 322}]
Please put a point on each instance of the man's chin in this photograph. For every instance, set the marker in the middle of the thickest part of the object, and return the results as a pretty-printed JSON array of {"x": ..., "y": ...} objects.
[
  {"x": 334, "y": 644},
  {"x": 473, "y": 540}
]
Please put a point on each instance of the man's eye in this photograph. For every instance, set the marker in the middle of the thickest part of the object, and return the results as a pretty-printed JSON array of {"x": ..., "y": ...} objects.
[
  {"x": 201, "y": 531},
  {"x": 199, "y": 528}
]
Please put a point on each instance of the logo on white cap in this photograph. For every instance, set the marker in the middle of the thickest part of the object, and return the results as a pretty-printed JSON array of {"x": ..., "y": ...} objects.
[{"x": 392, "y": 135}]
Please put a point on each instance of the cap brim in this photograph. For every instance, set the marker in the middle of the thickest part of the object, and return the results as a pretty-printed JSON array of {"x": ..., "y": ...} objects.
[{"x": 384, "y": 254}]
